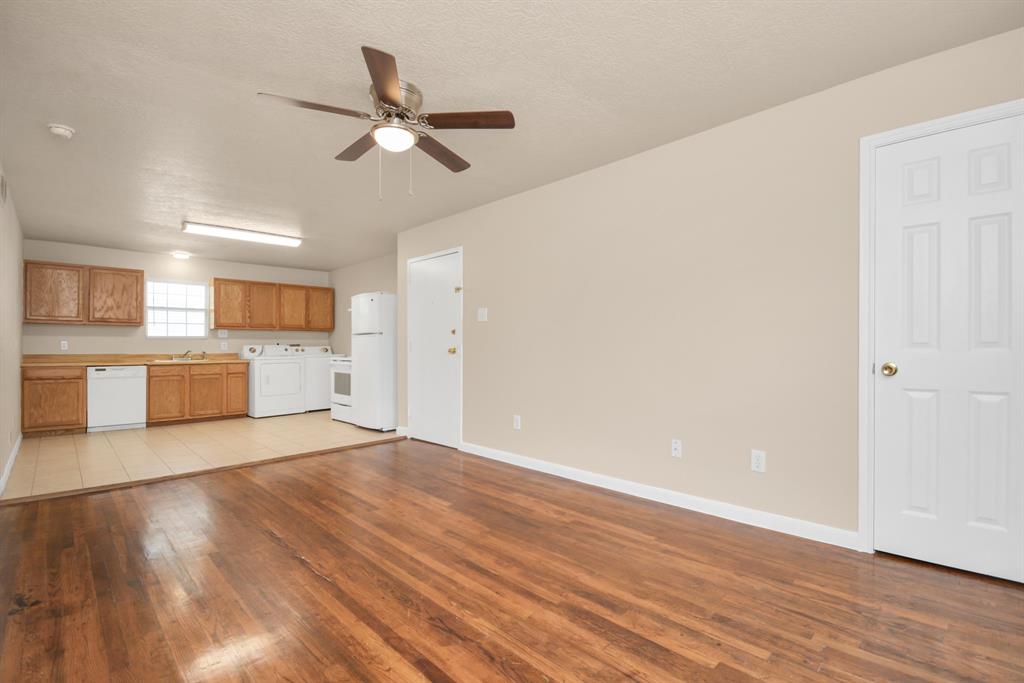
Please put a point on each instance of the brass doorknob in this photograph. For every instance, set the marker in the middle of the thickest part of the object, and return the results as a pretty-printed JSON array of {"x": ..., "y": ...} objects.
[
  {"x": 451, "y": 349},
  {"x": 889, "y": 369}
]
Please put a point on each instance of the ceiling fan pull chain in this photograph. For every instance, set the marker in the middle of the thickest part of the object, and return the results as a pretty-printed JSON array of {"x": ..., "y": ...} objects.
[
  {"x": 380, "y": 174},
  {"x": 410, "y": 173}
]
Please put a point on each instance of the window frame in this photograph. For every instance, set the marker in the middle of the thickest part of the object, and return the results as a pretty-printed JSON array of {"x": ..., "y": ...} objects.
[{"x": 205, "y": 309}]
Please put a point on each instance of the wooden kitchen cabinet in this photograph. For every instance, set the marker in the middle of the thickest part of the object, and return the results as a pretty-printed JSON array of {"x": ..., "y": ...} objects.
[
  {"x": 206, "y": 390},
  {"x": 293, "y": 307},
  {"x": 236, "y": 394},
  {"x": 263, "y": 300},
  {"x": 116, "y": 296},
  {"x": 52, "y": 398},
  {"x": 71, "y": 294},
  {"x": 168, "y": 394},
  {"x": 246, "y": 304},
  {"x": 55, "y": 292},
  {"x": 320, "y": 309},
  {"x": 230, "y": 303}
]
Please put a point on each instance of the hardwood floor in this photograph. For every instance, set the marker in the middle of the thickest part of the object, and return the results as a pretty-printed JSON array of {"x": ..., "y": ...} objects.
[{"x": 411, "y": 562}]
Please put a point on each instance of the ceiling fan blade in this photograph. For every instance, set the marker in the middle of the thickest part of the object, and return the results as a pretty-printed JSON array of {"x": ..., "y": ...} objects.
[
  {"x": 384, "y": 74},
  {"x": 357, "y": 148},
  {"x": 452, "y": 161},
  {"x": 471, "y": 119},
  {"x": 319, "y": 107}
]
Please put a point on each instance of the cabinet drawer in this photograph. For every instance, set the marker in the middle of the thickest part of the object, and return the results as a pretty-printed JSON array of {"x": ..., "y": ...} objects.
[
  {"x": 63, "y": 372},
  {"x": 237, "y": 368},
  {"x": 206, "y": 370},
  {"x": 163, "y": 371}
]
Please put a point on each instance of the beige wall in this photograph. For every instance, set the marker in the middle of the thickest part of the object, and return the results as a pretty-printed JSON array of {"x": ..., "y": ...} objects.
[
  {"x": 10, "y": 330},
  {"x": 705, "y": 290},
  {"x": 376, "y": 275},
  {"x": 110, "y": 339}
]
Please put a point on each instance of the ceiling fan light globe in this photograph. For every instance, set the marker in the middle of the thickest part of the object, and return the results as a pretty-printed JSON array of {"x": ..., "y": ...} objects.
[{"x": 394, "y": 138}]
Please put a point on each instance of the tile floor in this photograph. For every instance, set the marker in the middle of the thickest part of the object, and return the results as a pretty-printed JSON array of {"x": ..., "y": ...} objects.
[{"x": 56, "y": 464}]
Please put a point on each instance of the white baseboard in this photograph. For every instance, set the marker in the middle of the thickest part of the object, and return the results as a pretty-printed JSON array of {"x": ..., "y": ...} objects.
[
  {"x": 402, "y": 431},
  {"x": 737, "y": 513},
  {"x": 10, "y": 464}
]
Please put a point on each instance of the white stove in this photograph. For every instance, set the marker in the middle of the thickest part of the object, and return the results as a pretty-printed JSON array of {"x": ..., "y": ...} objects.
[{"x": 341, "y": 388}]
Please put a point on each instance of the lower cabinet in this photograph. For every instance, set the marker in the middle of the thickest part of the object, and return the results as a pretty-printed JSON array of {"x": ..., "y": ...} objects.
[
  {"x": 206, "y": 390},
  {"x": 167, "y": 397},
  {"x": 52, "y": 398},
  {"x": 198, "y": 391},
  {"x": 236, "y": 401}
]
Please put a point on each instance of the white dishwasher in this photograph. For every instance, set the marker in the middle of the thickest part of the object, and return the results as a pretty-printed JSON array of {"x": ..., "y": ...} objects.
[{"x": 116, "y": 397}]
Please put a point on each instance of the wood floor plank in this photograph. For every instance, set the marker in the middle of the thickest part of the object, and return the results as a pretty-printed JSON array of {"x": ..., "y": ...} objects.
[{"x": 407, "y": 562}]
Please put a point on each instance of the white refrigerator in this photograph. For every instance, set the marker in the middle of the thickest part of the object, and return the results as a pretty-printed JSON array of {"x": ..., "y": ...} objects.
[{"x": 374, "y": 360}]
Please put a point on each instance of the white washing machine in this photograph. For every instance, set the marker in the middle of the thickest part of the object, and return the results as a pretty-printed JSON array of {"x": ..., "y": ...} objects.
[
  {"x": 277, "y": 380},
  {"x": 318, "y": 376}
]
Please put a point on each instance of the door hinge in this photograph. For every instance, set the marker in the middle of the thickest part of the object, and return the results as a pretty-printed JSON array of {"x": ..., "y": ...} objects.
[
  {"x": 872, "y": 368},
  {"x": 458, "y": 290}
]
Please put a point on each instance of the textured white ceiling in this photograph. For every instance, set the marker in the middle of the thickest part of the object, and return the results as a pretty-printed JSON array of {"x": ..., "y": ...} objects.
[{"x": 163, "y": 97}]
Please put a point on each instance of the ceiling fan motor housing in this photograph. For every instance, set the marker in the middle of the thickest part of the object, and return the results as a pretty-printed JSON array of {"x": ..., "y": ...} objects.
[{"x": 412, "y": 100}]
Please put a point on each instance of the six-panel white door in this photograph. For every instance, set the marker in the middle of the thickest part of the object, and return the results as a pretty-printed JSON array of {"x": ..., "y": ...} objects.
[{"x": 949, "y": 303}]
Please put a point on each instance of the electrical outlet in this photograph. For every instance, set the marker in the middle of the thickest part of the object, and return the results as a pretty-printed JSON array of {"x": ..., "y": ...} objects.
[
  {"x": 63, "y": 344},
  {"x": 223, "y": 346},
  {"x": 677, "y": 448},
  {"x": 517, "y": 422},
  {"x": 758, "y": 461}
]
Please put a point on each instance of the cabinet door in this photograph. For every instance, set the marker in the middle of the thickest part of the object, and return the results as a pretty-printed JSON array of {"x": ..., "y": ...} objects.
[
  {"x": 237, "y": 401},
  {"x": 230, "y": 303},
  {"x": 57, "y": 403},
  {"x": 206, "y": 390},
  {"x": 167, "y": 398},
  {"x": 293, "y": 307},
  {"x": 54, "y": 292},
  {"x": 262, "y": 306},
  {"x": 320, "y": 309},
  {"x": 115, "y": 296}
]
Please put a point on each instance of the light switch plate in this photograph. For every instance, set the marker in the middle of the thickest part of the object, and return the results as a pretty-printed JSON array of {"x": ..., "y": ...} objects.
[
  {"x": 223, "y": 334},
  {"x": 517, "y": 422},
  {"x": 63, "y": 344},
  {"x": 481, "y": 315}
]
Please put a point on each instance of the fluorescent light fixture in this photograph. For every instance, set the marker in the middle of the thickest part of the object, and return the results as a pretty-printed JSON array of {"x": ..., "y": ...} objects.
[
  {"x": 393, "y": 137},
  {"x": 181, "y": 255},
  {"x": 239, "y": 234}
]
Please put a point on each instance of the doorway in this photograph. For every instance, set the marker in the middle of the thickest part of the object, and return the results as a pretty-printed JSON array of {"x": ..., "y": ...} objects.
[
  {"x": 434, "y": 285},
  {"x": 942, "y": 367}
]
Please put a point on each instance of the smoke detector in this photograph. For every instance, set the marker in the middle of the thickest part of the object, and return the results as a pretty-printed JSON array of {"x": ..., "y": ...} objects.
[{"x": 62, "y": 131}]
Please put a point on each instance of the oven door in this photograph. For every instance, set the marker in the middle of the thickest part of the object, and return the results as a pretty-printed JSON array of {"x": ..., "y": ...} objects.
[{"x": 341, "y": 383}]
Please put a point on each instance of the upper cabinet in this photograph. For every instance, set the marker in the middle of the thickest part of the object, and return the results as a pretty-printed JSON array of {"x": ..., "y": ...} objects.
[
  {"x": 116, "y": 296},
  {"x": 55, "y": 292},
  {"x": 271, "y": 306},
  {"x": 74, "y": 294},
  {"x": 320, "y": 309},
  {"x": 230, "y": 303},
  {"x": 262, "y": 306},
  {"x": 293, "y": 307}
]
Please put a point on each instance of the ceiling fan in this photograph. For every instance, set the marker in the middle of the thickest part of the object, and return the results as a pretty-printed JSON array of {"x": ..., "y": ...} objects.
[{"x": 399, "y": 123}]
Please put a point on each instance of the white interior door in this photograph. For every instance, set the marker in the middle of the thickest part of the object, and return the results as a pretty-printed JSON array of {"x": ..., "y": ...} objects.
[
  {"x": 435, "y": 349},
  {"x": 949, "y": 302}
]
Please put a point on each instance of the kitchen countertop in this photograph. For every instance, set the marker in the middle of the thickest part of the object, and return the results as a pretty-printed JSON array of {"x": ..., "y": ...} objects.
[{"x": 93, "y": 360}]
